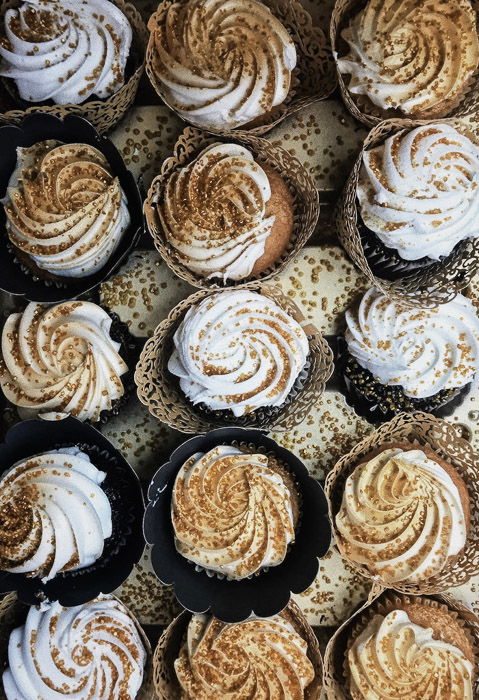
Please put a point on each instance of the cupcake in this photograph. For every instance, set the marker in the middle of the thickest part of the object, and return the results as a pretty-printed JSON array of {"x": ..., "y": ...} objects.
[
  {"x": 399, "y": 358},
  {"x": 61, "y": 359},
  {"x": 418, "y": 199},
  {"x": 220, "y": 66},
  {"x": 405, "y": 514},
  {"x": 409, "y": 58},
  {"x": 224, "y": 214},
  {"x": 94, "y": 650}
]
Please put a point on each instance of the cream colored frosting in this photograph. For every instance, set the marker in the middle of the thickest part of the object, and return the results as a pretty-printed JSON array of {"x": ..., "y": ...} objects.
[
  {"x": 231, "y": 512},
  {"x": 419, "y": 191},
  {"x": 88, "y": 652},
  {"x": 401, "y": 516},
  {"x": 64, "y": 208},
  {"x": 238, "y": 350},
  {"x": 221, "y": 63},
  {"x": 257, "y": 658},
  {"x": 213, "y": 212},
  {"x": 61, "y": 359},
  {"x": 422, "y": 350},
  {"x": 412, "y": 56},
  {"x": 65, "y": 50},
  {"x": 394, "y": 658}
]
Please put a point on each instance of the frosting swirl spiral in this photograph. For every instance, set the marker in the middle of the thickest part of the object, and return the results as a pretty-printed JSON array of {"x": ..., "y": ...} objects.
[
  {"x": 54, "y": 515},
  {"x": 419, "y": 191},
  {"x": 238, "y": 350},
  {"x": 91, "y": 651},
  {"x": 422, "y": 350},
  {"x": 395, "y": 658},
  {"x": 221, "y": 64},
  {"x": 214, "y": 212},
  {"x": 413, "y": 56},
  {"x": 231, "y": 512},
  {"x": 64, "y": 208},
  {"x": 402, "y": 516},
  {"x": 65, "y": 50},
  {"x": 61, "y": 358},
  {"x": 257, "y": 658}
]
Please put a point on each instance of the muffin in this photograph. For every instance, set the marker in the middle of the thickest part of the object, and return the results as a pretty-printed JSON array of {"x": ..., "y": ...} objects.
[
  {"x": 238, "y": 351},
  {"x": 226, "y": 215},
  {"x": 405, "y": 514},
  {"x": 66, "y": 212},
  {"x": 220, "y": 65},
  {"x": 418, "y": 199},
  {"x": 398, "y": 358},
  {"x": 54, "y": 514},
  {"x": 408, "y": 646},
  {"x": 93, "y": 650},
  {"x": 234, "y": 512},
  {"x": 67, "y": 52},
  {"x": 410, "y": 58},
  {"x": 61, "y": 359}
]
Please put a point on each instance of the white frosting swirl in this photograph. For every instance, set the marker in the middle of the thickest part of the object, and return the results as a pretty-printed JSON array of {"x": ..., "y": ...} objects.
[
  {"x": 422, "y": 350},
  {"x": 221, "y": 63},
  {"x": 395, "y": 658},
  {"x": 401, "y": 516},
  {"x": 64, "y": 208},
  {"x": 213, "y": 212},
  {"x": 238, "y": 350},
  {"x": 257, "y": 658},
  {"x": 413, "y": 56},
  {"x": 89, "y": 652},
  {"x": 61, "y": 358},
  {"x": 231, "y": 512},
  {"x": 65, "y": 50},
  {"x": 54, "y": 515},
  {"x": 419, "y": 191}
]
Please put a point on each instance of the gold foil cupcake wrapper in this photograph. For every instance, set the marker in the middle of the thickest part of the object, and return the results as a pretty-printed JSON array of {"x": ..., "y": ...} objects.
[
  {"x": 165, "y": 680},
  {"x": 313, "y": 79},
  {"x": 426, "y": 287},
  {"x": 300, "y": 183},
  {"x": 443, "y": 438},
  {"x": 103, "y": 114},
  {"x": 160, "y": 392}
]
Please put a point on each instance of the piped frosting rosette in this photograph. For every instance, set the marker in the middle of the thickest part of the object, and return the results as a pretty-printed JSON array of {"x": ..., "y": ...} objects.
[
  {"x": 65, "y": 51},
  {"x": 238, "y": 350},
  {"x": 213, "y": 212},
  {"x": 90, "y": 651},
  {"x": 220, "y": 64},
  {"x": 61, "y": 359},
  {"x": 65, "y": 209},
  {"x": 416, "y": 57},
  {"x": 232, "y": 513},
  {"x": 419, "y": 191}
]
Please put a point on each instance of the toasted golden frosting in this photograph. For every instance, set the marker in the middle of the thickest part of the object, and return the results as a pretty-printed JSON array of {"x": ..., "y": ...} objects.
[
  {"x": 232, "y": 513},
  {"x": 394, "y": 658},
  {"x": 258, "y": 659},
  {"x": 401, "y": 516}
]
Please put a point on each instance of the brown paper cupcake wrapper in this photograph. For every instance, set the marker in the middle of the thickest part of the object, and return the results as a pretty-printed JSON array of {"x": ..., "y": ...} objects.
[
  {"x": 12, "y": 615},
  {"x": 360, "y": 106},
  {"x": 159, "y": 391},
  {"x": 428, "y": 286},
  {"x": 443, "y": 438},
  {"x": 313, "y": 79},
  {"x": 383, "y": 601},
  {"x": 103, "y": 114},
  {"x": 301, "y": 185},
  {"x": 167, "y": 650}
]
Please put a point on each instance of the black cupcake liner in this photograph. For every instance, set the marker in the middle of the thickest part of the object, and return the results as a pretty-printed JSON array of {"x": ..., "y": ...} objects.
[
  {"x": 19, "y": 279},
  {"x": 230, "y": 600},
  {"x": 125, "y": 546}
]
